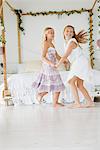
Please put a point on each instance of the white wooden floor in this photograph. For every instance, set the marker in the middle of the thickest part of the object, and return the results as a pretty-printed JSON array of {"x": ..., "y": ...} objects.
[{"x": 46, "y": 128}]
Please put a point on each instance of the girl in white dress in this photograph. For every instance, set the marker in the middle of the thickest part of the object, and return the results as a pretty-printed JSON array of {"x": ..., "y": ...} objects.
[{"x": 80, "y": 70}]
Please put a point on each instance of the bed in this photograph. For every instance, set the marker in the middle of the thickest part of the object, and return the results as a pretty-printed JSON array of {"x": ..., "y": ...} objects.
[{"x": 20, "y": 86}]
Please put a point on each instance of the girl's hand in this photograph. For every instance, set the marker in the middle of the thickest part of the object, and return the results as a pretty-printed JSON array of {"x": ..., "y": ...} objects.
[
  {"x": 52, "y": 65},
  {"x": 57, "y": 65},
  {"x": 66, "y": 61}
]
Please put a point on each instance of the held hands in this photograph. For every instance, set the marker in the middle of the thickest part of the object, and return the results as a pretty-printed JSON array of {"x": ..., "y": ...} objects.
[
  {"x": 57, "y": 65},
  {"x": 66, "y": 62},
  {"x": 53, "y": 65}
]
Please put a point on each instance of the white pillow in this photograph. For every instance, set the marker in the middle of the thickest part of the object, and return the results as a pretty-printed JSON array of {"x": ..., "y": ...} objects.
[
  {"x": 31, "y": 66},
  {"x": 11, "y": 68},
  {"x": 21, "y": 68}
]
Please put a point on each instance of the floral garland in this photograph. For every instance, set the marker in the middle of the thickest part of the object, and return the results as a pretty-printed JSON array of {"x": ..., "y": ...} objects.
[
  {"x": 0, "y": 31},
  {"x": 1, "y": 28},
  {"x": 99, "y": 14},
  {"x": 19, "y": 13},
  {"x": 0, "y": 39},
  {"x": 57, "y": 12},
  {"x": 90, "y": 31}
]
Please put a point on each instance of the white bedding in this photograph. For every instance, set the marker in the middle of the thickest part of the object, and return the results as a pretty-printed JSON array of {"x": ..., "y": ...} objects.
[{"x": 20, "y": 86}]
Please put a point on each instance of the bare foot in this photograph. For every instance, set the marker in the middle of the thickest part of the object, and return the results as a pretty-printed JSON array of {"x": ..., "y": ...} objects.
[
  {"x": 75, "y": 105},
  {"x": 39, "y": 98},
  {"x": 89, "y": 104},
  {"x": 58, "y": 105}
]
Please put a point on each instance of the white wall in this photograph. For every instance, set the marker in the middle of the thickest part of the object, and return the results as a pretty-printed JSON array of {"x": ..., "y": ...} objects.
[
  {"x": 31, "y": 41},
  {"x": 34, "y": 26}
]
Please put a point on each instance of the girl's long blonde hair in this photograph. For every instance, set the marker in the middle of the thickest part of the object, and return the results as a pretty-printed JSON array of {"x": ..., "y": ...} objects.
[
  {"x": 44, "y": 38},
  {"x": 81, "y": 37},
  {"x": 44, "y": 34}
]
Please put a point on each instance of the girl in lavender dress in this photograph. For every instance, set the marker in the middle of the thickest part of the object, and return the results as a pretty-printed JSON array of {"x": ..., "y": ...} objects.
[{"x": 49, "y": 79}]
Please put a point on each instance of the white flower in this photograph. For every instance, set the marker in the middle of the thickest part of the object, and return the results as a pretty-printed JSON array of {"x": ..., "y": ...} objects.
[
  {"x": 1, "y": 28},
  {"x": 0, "y": 44}
]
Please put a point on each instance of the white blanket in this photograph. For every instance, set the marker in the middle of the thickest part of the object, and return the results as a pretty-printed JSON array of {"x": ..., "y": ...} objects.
[{"x": 20, "y": 86}]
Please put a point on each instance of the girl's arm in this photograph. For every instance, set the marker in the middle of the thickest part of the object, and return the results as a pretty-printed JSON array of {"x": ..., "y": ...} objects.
[
  {"x": 67, "y": 53},
  {"x": 44, "y": 52},
  {"x": 58, "y": 56}
]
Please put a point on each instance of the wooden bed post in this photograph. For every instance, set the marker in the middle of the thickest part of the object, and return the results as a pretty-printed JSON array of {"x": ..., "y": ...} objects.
[
  {"x": 6, "y": 92},
  {"x": 94, "y": 4},
  {"x": 18, "y": 33},
  {"x": 19, "y": 43},
  {"x": 91, "y": 34}
]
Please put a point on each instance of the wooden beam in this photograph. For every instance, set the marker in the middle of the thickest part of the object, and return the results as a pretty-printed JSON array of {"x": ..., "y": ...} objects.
[
  {"x": 4, "y": 52},
  {"x": 12, "y": 9},
  {"x": 18, "y": 33},
  {"x": 19, "y": 42},
  {"x": 94, "y": 4},
  {"x": 6, "y": 91},
  {"x": 1, "y": 6}
]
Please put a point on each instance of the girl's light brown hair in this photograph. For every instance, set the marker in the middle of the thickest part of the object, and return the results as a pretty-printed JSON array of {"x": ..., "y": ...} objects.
[{"x": 81, "y": 37}]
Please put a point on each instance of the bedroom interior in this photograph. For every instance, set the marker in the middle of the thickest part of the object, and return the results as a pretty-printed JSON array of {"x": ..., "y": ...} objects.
[
  {"x": 24, "y": 123},
  {"x": 25, "y": 61}
]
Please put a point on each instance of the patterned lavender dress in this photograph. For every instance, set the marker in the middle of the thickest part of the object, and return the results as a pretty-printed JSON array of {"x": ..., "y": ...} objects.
[{"x": 49, "y": 79}]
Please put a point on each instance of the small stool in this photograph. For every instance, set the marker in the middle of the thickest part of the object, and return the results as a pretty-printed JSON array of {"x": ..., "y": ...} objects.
[
  {"x": 97, "y": 96},
  {"x": 97, "y": 99}
]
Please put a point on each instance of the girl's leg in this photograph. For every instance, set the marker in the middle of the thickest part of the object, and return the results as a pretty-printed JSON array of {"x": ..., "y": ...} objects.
[
  {"x": 74, "y": 90},
  {"x": 39, "y": 96},
  {"x": 85, "y": 93},
  {"x": 55, "y": 99}
]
